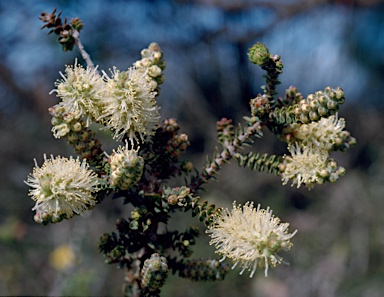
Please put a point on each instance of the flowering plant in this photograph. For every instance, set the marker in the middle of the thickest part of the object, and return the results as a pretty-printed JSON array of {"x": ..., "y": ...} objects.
[{"x": 125, "y": 102}]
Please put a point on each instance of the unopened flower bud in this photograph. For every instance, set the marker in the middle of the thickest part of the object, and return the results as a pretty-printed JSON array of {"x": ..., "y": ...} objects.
[
  {"x": 304, "y": 119},
  {"x": 76, "y": 127},
  {"x": 333, "y": 177},
  {"x": 322, "y": 111},
  {"x": 126, "y": 167},
  {"x": 157, "y": 55},
  {"x": 154, "y": 71},
  {"x": 314, "y": 116},
  {"x": 145, "y": 53},
  {"x": 259, "y": 54},
  {"x": 154, "y": 272},
  {"x": 154, "y": 47},
  {"x": 172, "y": 199}
]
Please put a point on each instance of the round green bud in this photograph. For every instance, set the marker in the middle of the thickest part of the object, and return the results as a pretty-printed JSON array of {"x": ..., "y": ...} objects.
[
  {"x": 145, "y": 53},
  {"x": 323, "y": 100},
  {"x": 305, "y": 108},
  {"x": 313, "y": 104},
  {"x": 172, "y": 199},
  {"x": 324, "y": 173},
  {"x": 304, "y": 119},
  {"x": 339, "y": 93},
  {"x": 259, "y": 54},
  {"x": 154, "y": 47},
  {"x": 322, "y": 111},
  {"x": 333, "y": 177},
  {"x": 76, "y": 127},
  {"x": 314, "y": 116},
  {"x": 340, "y": 171},
  {"x": 332, "y": 105}
]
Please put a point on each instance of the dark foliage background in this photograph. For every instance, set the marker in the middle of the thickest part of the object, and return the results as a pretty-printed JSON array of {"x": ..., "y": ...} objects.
[{"x": 338, "y": 250}]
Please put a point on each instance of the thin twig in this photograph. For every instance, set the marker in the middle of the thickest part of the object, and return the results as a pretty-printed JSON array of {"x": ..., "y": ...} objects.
[{"x": 81, "y": 49}]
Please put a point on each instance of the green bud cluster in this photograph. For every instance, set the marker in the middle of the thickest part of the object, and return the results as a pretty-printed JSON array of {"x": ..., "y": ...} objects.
[
  {"x": 292, "y": 96},
  {"x": 179, "y": 195},
  {"x": 74, "y": 129},
  {"x": 344, "y": 141},
  {"x": 321, "y": 104},
  {"x": 126, "y": 168},
  {"x": 331, "y": 172},
  {"x": 153, "y": 64},
  {"x": 204, "y": 270},
  {"x": 177, "y": 145},
  {"x": 140, "y": 219},
  {"x": 154, "y": 272}
]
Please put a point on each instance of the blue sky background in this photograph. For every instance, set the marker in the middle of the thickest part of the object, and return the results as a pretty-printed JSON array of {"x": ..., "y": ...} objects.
[{"x": 334, "y": 45}]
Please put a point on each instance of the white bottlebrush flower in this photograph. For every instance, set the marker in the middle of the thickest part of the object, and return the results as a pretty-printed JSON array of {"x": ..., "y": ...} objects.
[
  {"x": 323, "y": 133},
  {"x": 250, "y": 236},
  {"x": 304, "y": 165},
  {"x": 62, "y": 187},
  {"x": 81, "y": 91},
  {"x": 130, "y": 107}
]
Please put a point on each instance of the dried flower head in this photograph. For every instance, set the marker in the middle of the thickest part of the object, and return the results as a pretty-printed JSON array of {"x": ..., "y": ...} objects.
[
  {"x": 130, "y": 106},
  {"x": 61, "y": 188},
  {"x": 322, "y": 134},
  {"x": 81, "y": 91},
  {"x": 304, "y": 165},
  {"x": 250, "y": 237}
]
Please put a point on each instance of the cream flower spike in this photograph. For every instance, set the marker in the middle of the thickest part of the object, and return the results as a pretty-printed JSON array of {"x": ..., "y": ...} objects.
[
  {"x": 322, "y": 134},
  {"x": 130, "y": 105},
  {"x": 81, "y": 91},
  {"x": 62, "y": 188},
  {"x": 250, "y": 236},
  {"x": 304, "y": 165}
]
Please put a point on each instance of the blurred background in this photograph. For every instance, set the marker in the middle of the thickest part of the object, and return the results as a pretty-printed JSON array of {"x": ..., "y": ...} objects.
[{"x": 339, "y": 248}]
